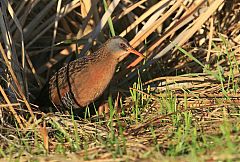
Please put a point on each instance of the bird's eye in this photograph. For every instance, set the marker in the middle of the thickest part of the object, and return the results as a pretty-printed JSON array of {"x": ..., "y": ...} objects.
[{"x": 123, "y": 45}]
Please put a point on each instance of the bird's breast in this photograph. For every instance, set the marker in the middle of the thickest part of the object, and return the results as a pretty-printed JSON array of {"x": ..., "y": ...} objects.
[{"x": 88, "y": 85}]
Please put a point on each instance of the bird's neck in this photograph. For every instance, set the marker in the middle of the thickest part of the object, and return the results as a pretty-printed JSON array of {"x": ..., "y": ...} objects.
[
  {"x": 101, "y": 53},
  {"x": 107, "y": 62}
]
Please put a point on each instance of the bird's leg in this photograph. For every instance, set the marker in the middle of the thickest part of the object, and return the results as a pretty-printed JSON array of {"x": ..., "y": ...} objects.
[
  {"x": 103, "y": 109},
  {"x": 118, "y": 110}
]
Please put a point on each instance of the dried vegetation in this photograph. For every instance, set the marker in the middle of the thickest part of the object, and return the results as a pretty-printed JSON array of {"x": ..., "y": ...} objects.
[{"x": 185, "y": 91}]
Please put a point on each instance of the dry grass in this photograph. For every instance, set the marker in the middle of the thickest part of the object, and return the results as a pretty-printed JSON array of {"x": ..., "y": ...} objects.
[{"x": 182, "y": 105}]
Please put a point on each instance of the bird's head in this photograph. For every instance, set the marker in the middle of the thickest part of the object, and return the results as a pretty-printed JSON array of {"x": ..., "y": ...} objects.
[{"x": 119, "y": 48}]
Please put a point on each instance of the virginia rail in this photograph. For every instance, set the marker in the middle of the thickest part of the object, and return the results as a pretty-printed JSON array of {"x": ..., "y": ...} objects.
[{"x": 83, "y": 80}]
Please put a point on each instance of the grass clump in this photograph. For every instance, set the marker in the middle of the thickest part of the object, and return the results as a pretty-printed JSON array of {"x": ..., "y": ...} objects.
[{"x": 180, "y": 104}]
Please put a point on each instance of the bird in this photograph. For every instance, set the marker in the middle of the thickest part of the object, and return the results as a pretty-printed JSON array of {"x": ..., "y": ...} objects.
[{"x": 84, "y": 80}]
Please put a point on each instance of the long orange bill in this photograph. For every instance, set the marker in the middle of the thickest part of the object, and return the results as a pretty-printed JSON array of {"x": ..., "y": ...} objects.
[
  {"x": 132, "y": 50},
  {"x": 141, "y": 57}
]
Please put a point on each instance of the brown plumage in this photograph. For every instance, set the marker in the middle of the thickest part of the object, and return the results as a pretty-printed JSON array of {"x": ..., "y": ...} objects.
[{"x": 83, "y": 80}]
